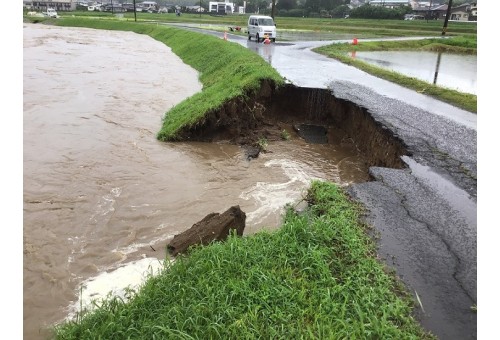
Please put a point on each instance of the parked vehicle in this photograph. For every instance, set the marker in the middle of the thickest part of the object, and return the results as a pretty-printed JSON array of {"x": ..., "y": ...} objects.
[
  {"x": 259, "y": 26},
  {"x": 51, "y": 13},
  {"x": 115, "y": 8},
  {"x": 413, "y": 17}
]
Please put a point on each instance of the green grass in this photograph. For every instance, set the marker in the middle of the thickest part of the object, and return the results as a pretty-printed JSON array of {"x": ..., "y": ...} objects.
[
  {"x": 316, "y": 277},
  {"x": 363, "y": 28},
  {"x": 463, "y": 45},
  {"x": 226, "y": 69},
  {"x": 191, "y": 111}
]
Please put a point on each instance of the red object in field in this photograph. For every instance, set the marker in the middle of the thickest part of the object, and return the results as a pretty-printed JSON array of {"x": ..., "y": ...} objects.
[
  {"x": 355, "y": 41},
  {"x": 225, "y": 35}
]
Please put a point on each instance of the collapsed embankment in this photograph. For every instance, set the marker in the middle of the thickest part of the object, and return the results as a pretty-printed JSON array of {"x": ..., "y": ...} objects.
[
  {"x": 247, "y": 119},
  {"x": 317, "y": 277},
  {"x": 244, "y": 99}
]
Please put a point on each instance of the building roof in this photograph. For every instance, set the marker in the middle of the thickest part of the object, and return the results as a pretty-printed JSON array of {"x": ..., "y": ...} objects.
[
  {"x": 440, "y": 8},
  {"x": 388, "y": 2}
]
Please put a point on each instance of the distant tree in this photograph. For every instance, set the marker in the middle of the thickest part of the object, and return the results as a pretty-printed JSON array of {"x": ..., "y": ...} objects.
[
  {"x": 330, "y": 4},
  {"x": 367, "y": 11},
  {"x": 251, "y": 7},
  {"x": 258, "y": 5},
  {"x": 340, "y": 11},
  {"x": 312, "y": 6},
  {"x": 296, "y": 13},
  {"x": 286, "y": 4}
]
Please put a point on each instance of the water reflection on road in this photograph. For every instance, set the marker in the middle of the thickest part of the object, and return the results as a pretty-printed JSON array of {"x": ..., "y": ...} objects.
[
  {"x": 455, "y": 71},
  {"x": 297, "y": 63},
  {"x": 292, "y": 57}
]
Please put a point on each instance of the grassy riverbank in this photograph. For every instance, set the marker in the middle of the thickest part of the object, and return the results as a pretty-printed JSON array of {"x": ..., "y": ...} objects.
[
  {"x": 227, "y": 70},
  {"x": 315, "y": 277},
  {"x": 459, "y": 45},
  {"x": 463, "y": 40}
]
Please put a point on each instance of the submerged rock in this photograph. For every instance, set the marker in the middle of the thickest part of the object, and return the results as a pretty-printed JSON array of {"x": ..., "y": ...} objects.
[{"x": 213, "y": 227}]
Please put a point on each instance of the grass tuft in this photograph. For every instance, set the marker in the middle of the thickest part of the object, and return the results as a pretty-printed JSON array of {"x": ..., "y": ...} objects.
[{"x": 315, "y": 278}]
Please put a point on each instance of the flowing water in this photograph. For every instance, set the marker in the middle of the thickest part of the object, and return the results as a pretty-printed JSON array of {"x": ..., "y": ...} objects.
[{"x": 102, "y": 196}]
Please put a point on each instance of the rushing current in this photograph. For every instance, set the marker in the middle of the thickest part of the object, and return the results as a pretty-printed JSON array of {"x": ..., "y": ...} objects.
[{"x": 102, "y": 196}]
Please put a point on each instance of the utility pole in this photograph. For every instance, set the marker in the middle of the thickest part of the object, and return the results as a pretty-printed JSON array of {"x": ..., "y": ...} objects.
[
  {"x": 273, "y": 6},
  {"x": 135, "y": 13},
  {"x": 429, "y": 14},
  {"x": 200, "y": 9},
  {"x": 438, "y": 62},
  {"x": 448, "y": 11}
]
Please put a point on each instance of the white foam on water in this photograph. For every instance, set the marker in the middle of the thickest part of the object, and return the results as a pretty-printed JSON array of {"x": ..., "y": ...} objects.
[
  {"x": 136, "y": 246},
  {"x": 272, "y": 197},
  {"x": 106, "y": 204},
  {"x": 114, "y": 283}
]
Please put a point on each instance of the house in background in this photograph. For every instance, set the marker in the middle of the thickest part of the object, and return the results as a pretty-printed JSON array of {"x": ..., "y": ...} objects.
[
  {"x": 221, "y": 7},
  {"x": 461, "y": 12},
  {"x": 148, "y": 5},
  {"x": 473, "y": 12},
  {"x": 58, "y": 5},
  {"x": 390, "y": 3},
  {"x": 433, "y": 12},
  {"x": 439, "y": 11},
  {"x": 196, "y": 9}
]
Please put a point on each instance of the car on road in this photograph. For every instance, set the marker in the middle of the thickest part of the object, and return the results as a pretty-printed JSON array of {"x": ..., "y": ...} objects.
[
  {"x": 51, "y": 13},
  {"x": 260, "y": 26},
  {"x": 413, "y": 17}
]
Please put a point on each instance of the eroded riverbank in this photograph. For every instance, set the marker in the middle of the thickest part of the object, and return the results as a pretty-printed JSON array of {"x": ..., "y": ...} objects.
[
  {"x": 101, "y": 192},
  {"x": 323, "y": 168}
]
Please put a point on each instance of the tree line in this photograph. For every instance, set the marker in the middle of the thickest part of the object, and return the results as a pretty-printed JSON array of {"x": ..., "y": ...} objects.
[{"x": 325, "y": 9}]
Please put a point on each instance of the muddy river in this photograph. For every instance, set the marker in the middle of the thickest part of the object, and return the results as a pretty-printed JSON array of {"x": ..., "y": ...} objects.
[{"x": 102, "y": 196}]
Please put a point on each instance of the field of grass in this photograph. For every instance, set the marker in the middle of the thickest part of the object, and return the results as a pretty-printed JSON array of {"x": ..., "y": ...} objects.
[
  {"x": 317, "y": 277},
  {"x": 362, "y": 28}
]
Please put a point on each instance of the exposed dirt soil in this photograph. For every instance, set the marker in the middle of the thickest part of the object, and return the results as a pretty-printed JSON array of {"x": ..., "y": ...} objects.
[{"x": 249, "y": 119}]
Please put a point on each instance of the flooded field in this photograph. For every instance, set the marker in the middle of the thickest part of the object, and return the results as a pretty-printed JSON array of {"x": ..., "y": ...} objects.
[{"x": 454, "y": 71}]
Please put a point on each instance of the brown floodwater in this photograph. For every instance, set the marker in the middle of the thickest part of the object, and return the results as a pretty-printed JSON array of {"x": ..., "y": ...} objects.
[{"x": 102, "y": 196}]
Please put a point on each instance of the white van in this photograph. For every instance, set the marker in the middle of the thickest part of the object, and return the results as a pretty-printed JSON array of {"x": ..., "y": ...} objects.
[
  {"x": 51, "y": 13},
  {"x": 259, "y": 26}
]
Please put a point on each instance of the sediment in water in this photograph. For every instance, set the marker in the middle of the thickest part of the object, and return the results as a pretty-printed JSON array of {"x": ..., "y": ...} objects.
[{"x": 265, "y": 114}]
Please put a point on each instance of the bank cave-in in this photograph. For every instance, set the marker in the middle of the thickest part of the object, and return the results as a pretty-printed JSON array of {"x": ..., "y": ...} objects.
[{"x": 266, "y": 114}]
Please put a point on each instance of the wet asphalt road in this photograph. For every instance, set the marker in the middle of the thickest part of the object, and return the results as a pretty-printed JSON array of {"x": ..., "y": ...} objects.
[{"x": 426, "y": 214}]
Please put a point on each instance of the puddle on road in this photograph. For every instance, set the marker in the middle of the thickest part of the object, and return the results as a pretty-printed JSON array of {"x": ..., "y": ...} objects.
[
  {"x": 454, "y": 71},
  {"x": 458, "y": 199}
]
